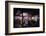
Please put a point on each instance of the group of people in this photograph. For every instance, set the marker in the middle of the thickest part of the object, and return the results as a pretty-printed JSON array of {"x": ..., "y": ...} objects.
[{"x": 26, "y": 20}]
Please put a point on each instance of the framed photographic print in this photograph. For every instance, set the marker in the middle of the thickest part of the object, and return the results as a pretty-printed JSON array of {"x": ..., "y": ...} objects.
[{"x": 24, "y": 17}]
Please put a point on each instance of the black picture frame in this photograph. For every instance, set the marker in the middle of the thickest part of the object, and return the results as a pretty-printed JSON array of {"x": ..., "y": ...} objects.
[{"x": 6, "y": 18}]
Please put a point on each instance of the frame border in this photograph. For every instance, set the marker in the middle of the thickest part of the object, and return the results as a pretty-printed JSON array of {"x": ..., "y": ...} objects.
[{"x": 6, "y": 18}]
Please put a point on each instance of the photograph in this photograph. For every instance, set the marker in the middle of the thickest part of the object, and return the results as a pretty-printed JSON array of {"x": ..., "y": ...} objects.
[{"x": 26, "y": 17}]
